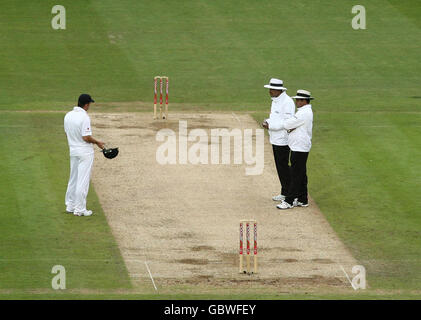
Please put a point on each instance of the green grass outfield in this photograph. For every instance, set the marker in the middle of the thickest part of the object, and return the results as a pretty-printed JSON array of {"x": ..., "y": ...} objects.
[
  {"x": 364, "y": 167},
  {"x": 35, "y": 231}
]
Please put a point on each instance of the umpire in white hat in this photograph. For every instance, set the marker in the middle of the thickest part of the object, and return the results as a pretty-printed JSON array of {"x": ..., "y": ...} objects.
[
  {"x": 282, "y": 109},
  {"x": 299, "y": 140}
]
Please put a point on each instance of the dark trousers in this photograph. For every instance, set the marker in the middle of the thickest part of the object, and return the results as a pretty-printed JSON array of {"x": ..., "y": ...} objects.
[
  {"x": 281, "y": 154},
  {"x": 298, "y": 188}
]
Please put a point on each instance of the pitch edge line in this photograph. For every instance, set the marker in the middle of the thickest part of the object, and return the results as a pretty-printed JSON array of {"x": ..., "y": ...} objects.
[
  {"x": 236, "y": 118},
  {"x": 150, "y": 275},
  {"x": 350, "y": 282}
]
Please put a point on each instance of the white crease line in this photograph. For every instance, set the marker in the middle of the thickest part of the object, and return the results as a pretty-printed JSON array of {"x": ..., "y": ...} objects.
[
  {"x": 235, "y": 116},
  {"x": 350, "y": 282},
  {"x": 150, "y": 275}
]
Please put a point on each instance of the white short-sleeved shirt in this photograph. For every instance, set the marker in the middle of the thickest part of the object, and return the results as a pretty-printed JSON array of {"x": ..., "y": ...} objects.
[
  {"x": 301, "y": 124},
  {"x": 77, "y": 124}
]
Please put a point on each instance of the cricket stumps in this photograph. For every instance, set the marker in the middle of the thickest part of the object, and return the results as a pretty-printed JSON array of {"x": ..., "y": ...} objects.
[
  {"x": 245, "y": 238},
  {"x": 161, "y": 83}
]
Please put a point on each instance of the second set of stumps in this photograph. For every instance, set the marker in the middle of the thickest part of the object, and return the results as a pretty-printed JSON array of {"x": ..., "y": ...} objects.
[{"x": 245, "y": 238}]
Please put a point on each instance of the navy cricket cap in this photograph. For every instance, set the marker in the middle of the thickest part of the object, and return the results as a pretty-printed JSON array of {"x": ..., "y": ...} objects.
[{"x": 85, "y": 98}]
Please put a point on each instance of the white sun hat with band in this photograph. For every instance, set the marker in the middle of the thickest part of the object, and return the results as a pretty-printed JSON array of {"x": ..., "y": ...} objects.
[
  {"x": 303, "y": 94},
  {"x": 275, "y": 84}
]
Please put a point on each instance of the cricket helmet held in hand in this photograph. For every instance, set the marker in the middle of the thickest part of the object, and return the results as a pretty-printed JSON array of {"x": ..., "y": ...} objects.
[{"x": 110, "y": 153}]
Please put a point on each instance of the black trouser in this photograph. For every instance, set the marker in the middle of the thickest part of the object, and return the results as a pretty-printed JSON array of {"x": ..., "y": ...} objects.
[
  {"x": 298, "y": 188},
  {"x": 281, "y": 154}
]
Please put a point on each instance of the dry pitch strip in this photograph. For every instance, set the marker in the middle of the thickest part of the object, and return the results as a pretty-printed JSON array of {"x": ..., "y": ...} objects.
[{"x": 244, "y": 237}]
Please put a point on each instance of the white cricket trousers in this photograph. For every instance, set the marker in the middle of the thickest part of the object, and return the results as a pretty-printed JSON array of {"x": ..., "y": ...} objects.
[{"x": 78, "y": 186}]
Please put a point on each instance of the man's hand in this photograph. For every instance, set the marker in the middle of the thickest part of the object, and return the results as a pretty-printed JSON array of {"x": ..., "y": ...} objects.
[
  {"x": 100, "y": 144},
  {"x": 265, "y": 125}
]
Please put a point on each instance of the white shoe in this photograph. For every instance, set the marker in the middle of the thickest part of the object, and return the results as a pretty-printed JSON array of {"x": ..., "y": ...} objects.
[
  {"x": 299, "y": 204},
  {"x": 85, "y": 213},
  {"x": 69, "y": 210},
  {"x": 279, "y": 197},
  {"x": 284, "y": 205}
]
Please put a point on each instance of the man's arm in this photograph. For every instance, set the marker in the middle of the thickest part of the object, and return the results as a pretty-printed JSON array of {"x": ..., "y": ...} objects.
[
  {"x": 86, "y": 133},
  {"x": 274, "y": 123},
  {"x": 91, "y": 139},
  {"x": 294, "y": 122}
]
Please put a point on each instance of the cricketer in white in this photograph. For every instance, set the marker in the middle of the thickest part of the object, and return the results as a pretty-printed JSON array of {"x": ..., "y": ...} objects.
[{"x": 77, "y": 126}]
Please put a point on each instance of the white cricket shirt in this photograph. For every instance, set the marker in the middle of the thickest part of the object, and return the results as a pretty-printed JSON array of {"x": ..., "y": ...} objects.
[
  {"x": 77, "y": 124},
  {"x": 301, "y": 124},
  {"x": 283, "y": 107}
]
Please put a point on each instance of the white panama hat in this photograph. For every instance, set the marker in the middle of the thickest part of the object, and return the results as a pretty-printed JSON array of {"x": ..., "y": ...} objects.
[
  {"x": 303, "y": 94},
  {"x": 275, "y": 84}
]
